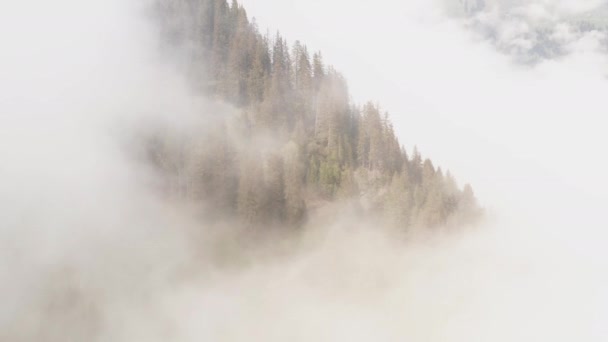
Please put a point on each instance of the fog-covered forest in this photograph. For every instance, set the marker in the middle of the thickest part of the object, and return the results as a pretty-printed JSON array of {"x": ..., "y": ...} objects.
[
  {"x": 176, "y": 170},
  {"x": 298, "y": 140}
]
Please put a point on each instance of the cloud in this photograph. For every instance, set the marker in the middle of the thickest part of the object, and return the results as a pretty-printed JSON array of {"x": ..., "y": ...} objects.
[
  {"x": 532, "y": 31},
  {"x": 94, "y": 252},
  {"x": 83, "y": 231},
  {"x": 524, "y": 125}
]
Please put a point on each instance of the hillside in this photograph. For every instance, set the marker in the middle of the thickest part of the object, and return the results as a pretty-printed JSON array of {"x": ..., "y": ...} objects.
[{"x": 298, "y": 142}]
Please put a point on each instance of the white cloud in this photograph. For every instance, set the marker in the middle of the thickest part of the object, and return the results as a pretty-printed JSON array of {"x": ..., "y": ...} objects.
[{"x": 530, "y": 139}]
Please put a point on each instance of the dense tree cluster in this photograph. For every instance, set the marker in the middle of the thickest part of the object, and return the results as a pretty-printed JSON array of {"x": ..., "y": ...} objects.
[{"x": 301, "y": 141}]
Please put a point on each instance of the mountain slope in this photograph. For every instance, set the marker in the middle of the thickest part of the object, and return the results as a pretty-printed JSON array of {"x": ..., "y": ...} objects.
[{"x": 297, "y": 142}]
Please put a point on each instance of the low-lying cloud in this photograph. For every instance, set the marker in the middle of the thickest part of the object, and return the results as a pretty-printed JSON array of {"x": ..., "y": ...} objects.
[
  {"x": 91, "y": 250},
  {"x": 532, "y": 31}
]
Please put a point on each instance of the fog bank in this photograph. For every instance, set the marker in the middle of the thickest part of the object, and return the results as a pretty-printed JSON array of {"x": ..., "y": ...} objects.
[{"x": 91, "y": 250}]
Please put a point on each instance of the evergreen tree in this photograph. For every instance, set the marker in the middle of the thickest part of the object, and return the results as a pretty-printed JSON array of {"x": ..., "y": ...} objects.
[
  {"x": 274, "y": 199},
  {"x": 251, "y": 199},
  {"x": 295, "y": 207},
  {"x": 324, "y": 146}
]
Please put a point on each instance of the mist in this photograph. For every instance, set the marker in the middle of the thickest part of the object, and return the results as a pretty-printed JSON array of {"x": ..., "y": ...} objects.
[{"x": 91, "y": 249}]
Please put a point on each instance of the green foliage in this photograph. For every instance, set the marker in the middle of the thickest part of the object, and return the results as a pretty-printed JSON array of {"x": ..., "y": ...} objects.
[
  {"x": 329, "y": 176},
  {"x": 324, "y": 145}
]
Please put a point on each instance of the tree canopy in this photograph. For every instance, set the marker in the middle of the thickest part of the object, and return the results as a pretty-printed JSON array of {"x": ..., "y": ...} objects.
[{"x": 324, "y": 147}]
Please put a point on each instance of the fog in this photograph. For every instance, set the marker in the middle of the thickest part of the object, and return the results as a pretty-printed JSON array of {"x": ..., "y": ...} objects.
[
  {"x": 90, "y": 250},
  {"x": 528, "y": 136}
]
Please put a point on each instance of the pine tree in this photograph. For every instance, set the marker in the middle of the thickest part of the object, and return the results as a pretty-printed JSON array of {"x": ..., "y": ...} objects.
[
  {"x": 274, "y": 199},
  {"x": 295, "y": 207},
  {"x": 251, "y": 200},
  {"x": 330, "y": 147}
]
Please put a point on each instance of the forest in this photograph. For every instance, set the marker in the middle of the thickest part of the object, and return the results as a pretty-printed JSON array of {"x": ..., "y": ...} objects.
[{"x": 295, "y": 141}]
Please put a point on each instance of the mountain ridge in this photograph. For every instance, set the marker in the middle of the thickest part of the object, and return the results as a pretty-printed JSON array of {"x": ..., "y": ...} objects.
[{"x": 324, "y": 147}]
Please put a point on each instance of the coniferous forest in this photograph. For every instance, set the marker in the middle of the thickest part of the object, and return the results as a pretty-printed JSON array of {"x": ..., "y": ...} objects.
[
  {"x": 296, "y": 142},
  {"x": 171, "y": 170}
]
